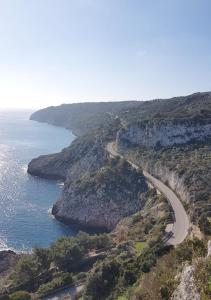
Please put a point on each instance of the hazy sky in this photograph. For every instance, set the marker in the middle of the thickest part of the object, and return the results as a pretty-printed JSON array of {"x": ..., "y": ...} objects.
[{"x": 55, "y": 51}]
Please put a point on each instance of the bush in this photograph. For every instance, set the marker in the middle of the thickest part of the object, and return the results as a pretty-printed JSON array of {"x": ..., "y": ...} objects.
[
  {"x": 97, "y": 241},
  {"x": 203, "y": 277},
  {"x": 67, "y": 254},
  {"x": 43, "y": 258},
  {"x": 20, "y": 295},
  {"x": 102, "y": 280},
  {"x": 25, "y": 270},
  {"x": 190, "y": 249},
  {"x": 62, "y": 280}
]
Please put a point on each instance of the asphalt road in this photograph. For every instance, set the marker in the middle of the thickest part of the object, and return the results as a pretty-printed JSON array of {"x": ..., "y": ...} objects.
[{"x": 181, "y": 223}]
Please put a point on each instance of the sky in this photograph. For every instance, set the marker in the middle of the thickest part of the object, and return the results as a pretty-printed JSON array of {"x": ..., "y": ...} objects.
[{"x": 64, "y": 51}]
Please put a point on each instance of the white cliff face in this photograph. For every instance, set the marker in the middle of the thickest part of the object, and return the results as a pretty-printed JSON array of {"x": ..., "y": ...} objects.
[
  {"x": 209, "y": 248},
  {"x": 174, "y": 181},
  {"x": 96, "y": 210},
  {"x": 163, "y": 133},
  {"x": 170, "y": 177},
  {"x": 186, "y": 289},
  {"x": 99, "y": 196}
]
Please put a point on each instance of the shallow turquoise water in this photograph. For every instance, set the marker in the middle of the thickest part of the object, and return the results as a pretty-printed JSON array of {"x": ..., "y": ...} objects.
[{"x": 25, "y": 201}]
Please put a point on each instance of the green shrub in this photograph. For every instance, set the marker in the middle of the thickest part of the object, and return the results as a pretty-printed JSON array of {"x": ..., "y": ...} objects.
[
  {"x": 96, "y": 241},
  {"x": 62, "y": 280},
  {"x": 140, "y": 246},
  {"x": 25, "y": 270},
  {"x": 67, "y": 254},
  {"x": 20, "y": 295},
  {"x": 102, "y": 280},
  {"x": 190, "y": 249},
  {"x": 43, "y": 258},
  {"x": 203, "y": 277}
]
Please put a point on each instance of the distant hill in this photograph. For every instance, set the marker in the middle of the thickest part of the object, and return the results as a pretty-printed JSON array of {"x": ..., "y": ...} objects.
[{"x": 83, "y": 117}]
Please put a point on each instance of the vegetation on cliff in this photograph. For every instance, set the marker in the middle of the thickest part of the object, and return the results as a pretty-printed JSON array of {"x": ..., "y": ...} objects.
[
  {"x": 102, "y": 197},
  {"x": 82, "y": 117},
  {"x": 85, "y": 117},
  {"x": 192, "y": 164},
  {"x": 136, "y": 266},
  {"x": 113, "y": 260},
  {"x": 86, "y": 154}
]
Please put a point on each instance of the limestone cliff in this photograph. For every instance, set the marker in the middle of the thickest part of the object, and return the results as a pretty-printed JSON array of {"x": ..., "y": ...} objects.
[
  {"x": 165, "y": 132},
  {"x": 186, "y": 289},
  {"x": 77, "y": 158},
  {"x": 101, "y": 198},
  {"x": 157, "y": 125},
  {"x": 97, "y": 192}
]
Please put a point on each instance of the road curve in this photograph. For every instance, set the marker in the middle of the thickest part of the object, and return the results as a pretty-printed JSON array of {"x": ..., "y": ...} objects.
[{"x": 181, "y": 223}]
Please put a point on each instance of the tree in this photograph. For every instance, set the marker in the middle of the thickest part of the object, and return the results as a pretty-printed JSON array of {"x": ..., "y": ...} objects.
[
  {"x": 25, "y": 270},
  {"x": 67, "y": 254},
  {"x": 102, "y": 280},
  {"x": 43, "y": 259}
]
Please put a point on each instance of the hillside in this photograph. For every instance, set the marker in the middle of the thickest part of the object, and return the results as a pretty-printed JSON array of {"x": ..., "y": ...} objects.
[
  {"x": 83, "y": 117},
  {"x": 150, "y": 132},
  {"x": 171, "y": 139}
]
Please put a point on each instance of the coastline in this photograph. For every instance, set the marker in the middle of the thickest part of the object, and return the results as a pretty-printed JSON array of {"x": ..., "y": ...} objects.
[{"x": 24, "y": 218}]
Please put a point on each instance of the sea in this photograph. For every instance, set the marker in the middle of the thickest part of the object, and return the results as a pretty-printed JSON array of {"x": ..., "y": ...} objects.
[{"x": 26, "y": 201}]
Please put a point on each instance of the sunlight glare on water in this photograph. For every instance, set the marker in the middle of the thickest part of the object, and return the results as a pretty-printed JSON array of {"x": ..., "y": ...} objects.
[{"x": 25, "y": 201}]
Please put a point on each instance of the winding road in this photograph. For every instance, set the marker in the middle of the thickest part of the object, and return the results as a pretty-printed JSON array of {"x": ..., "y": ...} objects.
[{"x": 181, "y": 222}]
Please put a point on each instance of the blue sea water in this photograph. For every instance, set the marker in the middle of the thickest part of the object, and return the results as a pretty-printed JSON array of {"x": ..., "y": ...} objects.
[{"x": 25, "y": 201}]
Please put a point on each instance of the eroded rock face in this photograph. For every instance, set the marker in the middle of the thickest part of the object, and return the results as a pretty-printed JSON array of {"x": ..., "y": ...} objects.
[
  {"x": 54, "y": 166},
  {"x": 79, "y": 157},
  {"x": 209, "y": 248},
  {"x": 157, "y": 169},
  {"x": 97, "y": 192},
  {"x": 163, "y": 133},
  {"x": 186, "y": 289},
  {"x": 174, "y": 181},
  {"x": 100, "y": 199}
]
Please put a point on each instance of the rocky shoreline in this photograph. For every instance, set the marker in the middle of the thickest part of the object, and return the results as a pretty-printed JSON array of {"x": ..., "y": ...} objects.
[
  {"x": 156, "y": 126},
  {"x": 7, "y": 258},
  {"x": 97, "y": 191}
]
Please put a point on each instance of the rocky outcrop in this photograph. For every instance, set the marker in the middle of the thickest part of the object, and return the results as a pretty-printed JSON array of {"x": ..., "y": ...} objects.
[
  {"x": 186, "y": 289},
  {"x": 54, "y": 166},
  {"x": 7, "y": 258},
  {"x": 100, "y": 199},
  {"x": 171, "y": 178},
  {"x": 173, "y": 121},
  {"x": 76, "y": 158},
  {"x": 209, "y": 248},
  {"x": 154, "y": 133},
  {"x": 97, "y": 192}
]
